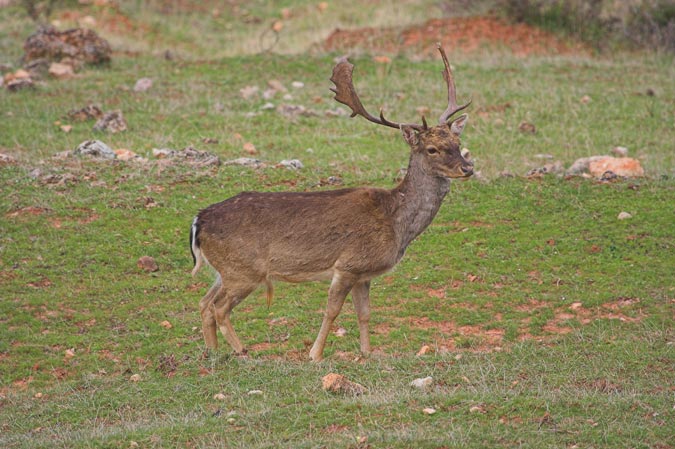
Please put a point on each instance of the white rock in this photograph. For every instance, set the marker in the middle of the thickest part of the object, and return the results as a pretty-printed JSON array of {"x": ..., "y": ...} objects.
[
  {"x": 245, "y": 161},
  {"x": 624, "y": 216},
  {"x": 255, "y": 392},
  {"x": 298, "y": 84},
  {"x": 143, "y": 84},
  {"x": 95, "y": 148},
  {"x": 422, "y": 382},
  {"x": 429, "y": 411},
  {"x": 293, "y": 164},
  {"x": 620, "y": 151},
  {"x": 248, "y": 92}
]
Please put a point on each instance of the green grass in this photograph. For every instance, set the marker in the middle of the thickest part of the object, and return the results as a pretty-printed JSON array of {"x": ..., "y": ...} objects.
[{"x": 550, "y": 321}]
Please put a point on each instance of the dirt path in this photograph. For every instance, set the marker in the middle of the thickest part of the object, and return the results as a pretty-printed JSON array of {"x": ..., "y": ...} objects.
[{"x": 467, "y": 34}]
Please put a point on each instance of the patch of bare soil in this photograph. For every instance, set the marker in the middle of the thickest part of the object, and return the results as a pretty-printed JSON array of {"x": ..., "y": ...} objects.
[{"x": 464, "y": 35}]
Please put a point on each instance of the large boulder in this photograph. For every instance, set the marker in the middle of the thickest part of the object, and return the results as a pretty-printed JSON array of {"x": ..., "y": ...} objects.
[{"x": 75, "y": 46}]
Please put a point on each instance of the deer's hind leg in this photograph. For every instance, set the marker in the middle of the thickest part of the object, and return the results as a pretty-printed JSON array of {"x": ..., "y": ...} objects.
[
  {"x": 225, "y": 299},
  {"x": 209, "y": 329}
]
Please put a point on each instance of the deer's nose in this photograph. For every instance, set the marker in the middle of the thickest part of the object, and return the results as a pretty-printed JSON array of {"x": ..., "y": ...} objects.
[{"x": 467, "y": 169}]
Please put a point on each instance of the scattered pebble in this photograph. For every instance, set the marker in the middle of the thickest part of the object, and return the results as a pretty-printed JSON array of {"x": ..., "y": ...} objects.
[
  {"x": 61, "y": 71},
  {"x": 112, "y": 122},
  {"x": 148, "y": 264},
  {"x": 293, "y": 164},
  {"x": 94, "y": 148},
  {"x": 527, "y": 128},
  {"x": 337, "y": 383},
  {"x": 422, "y": 382},
  {"x": 135, "y": 378},
  {"x": 143, "y": 85},
  {"x": 340, "y": 332},
  {"x": 254, "y": 392},
  {"x": 245, "y": 162},
  {"x": 219, "y": 397},
  {"x": 620, "y": 151},
  {"x": 624, "y": 216},
  {"x": 424, "y": 350},
  {"x": 429, "y": 410}
]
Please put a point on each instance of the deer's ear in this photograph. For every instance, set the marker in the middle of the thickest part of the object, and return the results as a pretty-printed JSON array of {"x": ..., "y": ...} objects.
[
  {"x": 457, "y": 125},
  {"x": 409, "y": 134}
]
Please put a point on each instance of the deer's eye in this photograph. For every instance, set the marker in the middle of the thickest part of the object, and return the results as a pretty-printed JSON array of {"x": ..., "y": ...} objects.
[{"x": 432, "y": 150}]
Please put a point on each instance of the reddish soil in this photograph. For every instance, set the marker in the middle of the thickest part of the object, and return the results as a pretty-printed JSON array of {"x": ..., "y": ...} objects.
[{"x": 464, "y": 35}]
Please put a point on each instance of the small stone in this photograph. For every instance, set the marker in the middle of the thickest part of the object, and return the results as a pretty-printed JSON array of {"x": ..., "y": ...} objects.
[
  {"x": 477, "y": 409},
  {"x": 429, "y": 410},
  {"x": 135, "y": 378},
  {"x": 620, "y": 151},
  {"x": 6, "y": 159},
  {"x": 422, "y": 382},
  {"x": 89, "y": 112},
  {"x": 148, "y": 264},
  {"x": 70, "y": 353},
  {"x": 245, "y": 162},
  {"x": 276, "y": 85},
  {"x": 585, "y": 99},
  {"x": 248, "y": 92},
  {"x": 624, "y": 216},
  {"x": 16, "y": 85},
  {"x": 61, "y": 71},
  {"x": 268, "y": 106},
  {"x": 143, "y": 84},
  {"x": 268, "y": 94},
  {"x": 94, "y": 148},
  {"x": 337, "y": 383},
  {"x": 254, "y": 392},
  {"x": 161, "y": 153},
  {"x": 250, "y": 148},
  {"x": 219, "y": 397},
  {"x": 21, "y": 74},
  {"x": 340, "y": 332},
  {"x": 424, "y": 350},
  {"x": 66, "y": 128},
  {"x": 125, "y": 155},
  {"x": 527, "y": 128},
  {"x": 292, "y": 164},
  {"x": 298, "y": 84},
  {"x": 166, "y": 324},
  {"x": 112, "y": 122}
]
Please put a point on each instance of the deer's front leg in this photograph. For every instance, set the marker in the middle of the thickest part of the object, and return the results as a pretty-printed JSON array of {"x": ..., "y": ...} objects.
[
  {"x": 361, "y": 298},
  {"x": 339, "y": 288}
]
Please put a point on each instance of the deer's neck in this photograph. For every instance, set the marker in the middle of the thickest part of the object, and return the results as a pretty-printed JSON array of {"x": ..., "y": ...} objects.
[{"x": 417, "y": 198}]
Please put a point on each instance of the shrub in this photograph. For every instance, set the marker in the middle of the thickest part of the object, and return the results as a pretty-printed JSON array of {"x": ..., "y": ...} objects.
[{"x": 643, "y": 23}]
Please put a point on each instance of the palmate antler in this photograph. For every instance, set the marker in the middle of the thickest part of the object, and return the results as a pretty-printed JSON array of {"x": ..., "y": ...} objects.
[{"x": 346, "y": 94}]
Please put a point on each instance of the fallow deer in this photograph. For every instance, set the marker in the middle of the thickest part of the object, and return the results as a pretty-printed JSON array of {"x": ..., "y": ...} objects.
[{"x": 347, "y": 236}]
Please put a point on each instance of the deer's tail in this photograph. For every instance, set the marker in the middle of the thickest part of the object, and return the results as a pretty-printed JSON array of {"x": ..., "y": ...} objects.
[{"x": 194, "y": 246}]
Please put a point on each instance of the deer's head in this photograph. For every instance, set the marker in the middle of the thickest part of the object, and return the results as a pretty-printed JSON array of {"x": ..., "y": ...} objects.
[{"x": 435, "y": 150}]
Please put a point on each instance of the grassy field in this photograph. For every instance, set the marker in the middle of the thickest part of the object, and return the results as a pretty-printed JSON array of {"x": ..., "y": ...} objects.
[{"x": 549, "y": 321}]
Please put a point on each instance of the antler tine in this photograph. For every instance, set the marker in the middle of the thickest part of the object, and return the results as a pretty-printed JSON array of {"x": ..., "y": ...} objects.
[
  {"x": 452, "y": 93},
  {"x": 346, "y": 94}
]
